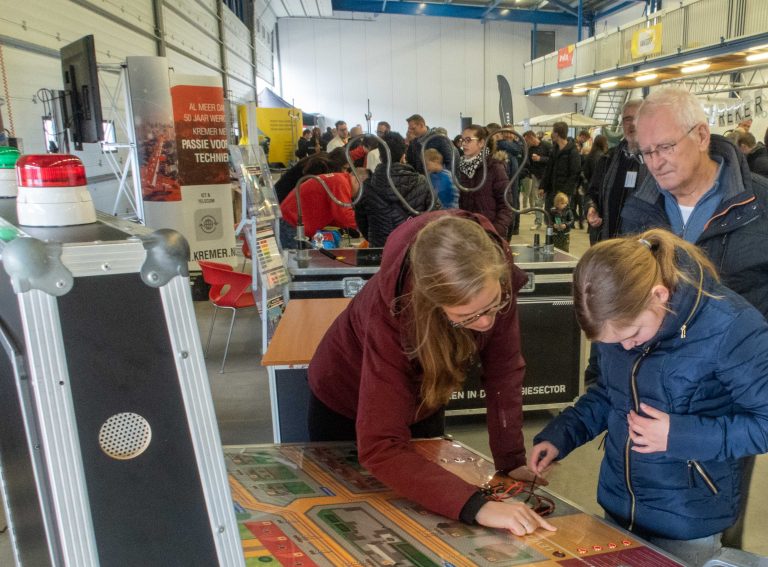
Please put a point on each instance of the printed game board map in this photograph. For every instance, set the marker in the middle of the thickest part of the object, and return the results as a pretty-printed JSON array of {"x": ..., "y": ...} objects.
[{"x": 314, "y": 505}]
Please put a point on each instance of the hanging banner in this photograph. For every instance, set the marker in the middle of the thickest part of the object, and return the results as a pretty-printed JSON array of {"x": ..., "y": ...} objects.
[
  {"x": 182, "y": 144},
  {"x": 646, "y": 42},
  {"x": 206, "y": 215},
  {"x": 283, "y": 128},
  {"x": 565, "y": 56},
  {"x": 732, "y": 113},
  {"x": 153, "y": 126}
]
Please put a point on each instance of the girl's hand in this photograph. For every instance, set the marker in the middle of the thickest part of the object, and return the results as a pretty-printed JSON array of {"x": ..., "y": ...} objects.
[
  {"x": 513, "y": 516},
  {"x": 525, "y": 474},
  {"x": 649, "y": 434},
  {"x": 541, "y": 457}
]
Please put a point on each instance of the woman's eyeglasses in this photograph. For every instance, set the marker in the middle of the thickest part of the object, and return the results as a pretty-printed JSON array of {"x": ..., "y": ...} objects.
[
  {"x": 492, "y": 311},
  {"x": 468, "y": 139}
]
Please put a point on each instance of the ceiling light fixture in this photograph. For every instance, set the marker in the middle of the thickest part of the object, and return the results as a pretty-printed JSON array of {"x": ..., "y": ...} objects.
[
  {"x": 646, "y": 78},
  {"x": 758, "y": 56},
  {"x": 695, "y": 68},
  {"x": 608, "y": 84},
  {"x": 423, "y": 5},
  {"x": 577, "y": 90},
  {"x": 555, "y": 93}
]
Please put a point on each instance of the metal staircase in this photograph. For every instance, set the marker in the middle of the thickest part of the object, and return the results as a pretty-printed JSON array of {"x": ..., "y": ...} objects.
[{"x": 606, "y": 105}]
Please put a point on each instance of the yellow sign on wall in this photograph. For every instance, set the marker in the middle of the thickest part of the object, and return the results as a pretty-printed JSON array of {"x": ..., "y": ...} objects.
[
  {"x": 278, "y": 123},
  {"x": 646, "y": 41}
]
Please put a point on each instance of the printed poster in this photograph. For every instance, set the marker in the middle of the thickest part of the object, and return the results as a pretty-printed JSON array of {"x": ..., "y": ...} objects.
[
  {"x": 646, "y": 42},
  {"x": 283, "y": 127},
  {"x": 182, "y": 143},
  {"x": 565, "y": 56}
]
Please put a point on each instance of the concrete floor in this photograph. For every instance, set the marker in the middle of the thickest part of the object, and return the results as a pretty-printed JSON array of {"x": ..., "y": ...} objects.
[{"x": 241, "y": 400}]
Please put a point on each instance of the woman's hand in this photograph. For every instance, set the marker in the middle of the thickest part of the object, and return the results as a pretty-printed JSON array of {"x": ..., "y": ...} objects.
[
  {"x": 649, "y": 434},
  {"x": 541, "y": 457},
  {"x": 513, "y": 516}
]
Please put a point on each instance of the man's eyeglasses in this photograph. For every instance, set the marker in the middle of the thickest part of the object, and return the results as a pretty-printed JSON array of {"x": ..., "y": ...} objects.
[
  {"x": 468, "y": 139},
  {"x": 664, "y": 150},
  {"x": 492, "y": 311}
]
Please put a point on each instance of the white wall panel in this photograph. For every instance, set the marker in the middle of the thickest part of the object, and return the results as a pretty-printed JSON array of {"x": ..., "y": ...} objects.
[
  {"x": 209, "y": 5},
  {"x": 438, "y": 67},
  {"x": 380, "y": 65},
  {"x": 239, "y": 57},
  {"x": 55, "y": 24},
  {"x": 264, "y": 28},
  {"x": 184, "y": 36}
]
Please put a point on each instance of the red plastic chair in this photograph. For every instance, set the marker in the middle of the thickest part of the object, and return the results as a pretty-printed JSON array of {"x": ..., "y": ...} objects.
[
  {"x": 229, "y": 290},
  {"x": 246, "y": 252}
]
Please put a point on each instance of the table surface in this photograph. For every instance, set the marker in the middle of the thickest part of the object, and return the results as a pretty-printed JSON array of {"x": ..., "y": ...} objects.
[
  {"x": 300, "y": 330},
  {"x": 314, "y": 505}
]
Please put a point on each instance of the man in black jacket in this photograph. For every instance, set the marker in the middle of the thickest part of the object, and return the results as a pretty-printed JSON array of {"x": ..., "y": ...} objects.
[
  {"x": 616, "y": 176},
  {"x": 380, "y": 210},
  {"x": 538, "y": 158},
  {"x": 756, "y": 152},
  {"x": 564, "y": 167},
  {"x": 417, "y": 133}
]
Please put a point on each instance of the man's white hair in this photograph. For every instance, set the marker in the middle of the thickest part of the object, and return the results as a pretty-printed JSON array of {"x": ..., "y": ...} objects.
[{"x": 686, "y": 108}]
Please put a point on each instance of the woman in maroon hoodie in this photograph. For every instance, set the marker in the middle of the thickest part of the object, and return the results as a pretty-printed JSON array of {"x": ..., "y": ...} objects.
[{"x": 444, "y": 297}]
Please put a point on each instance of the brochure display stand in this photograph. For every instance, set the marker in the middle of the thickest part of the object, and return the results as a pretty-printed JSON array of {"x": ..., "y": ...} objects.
[{"x": 258, "y": 225}]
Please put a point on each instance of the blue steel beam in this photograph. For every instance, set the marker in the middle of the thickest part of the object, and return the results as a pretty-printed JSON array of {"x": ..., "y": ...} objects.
[
  {"x": 564, "y": 7},
  {"x": 454, "y": 11},
  {"x": 490, "y": 8},
  {"x": 580, "y": 23}
]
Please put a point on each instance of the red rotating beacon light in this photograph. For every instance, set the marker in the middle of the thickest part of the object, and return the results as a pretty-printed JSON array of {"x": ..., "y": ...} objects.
[{"x": 52, "y": 191}]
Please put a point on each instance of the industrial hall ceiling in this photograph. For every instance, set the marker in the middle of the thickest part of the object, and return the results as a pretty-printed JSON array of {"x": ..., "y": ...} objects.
[{"x": 562, "y": 12}]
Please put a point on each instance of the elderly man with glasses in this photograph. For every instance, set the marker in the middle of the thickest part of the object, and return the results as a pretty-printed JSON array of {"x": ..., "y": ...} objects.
[{"x": 701, "y": 188}]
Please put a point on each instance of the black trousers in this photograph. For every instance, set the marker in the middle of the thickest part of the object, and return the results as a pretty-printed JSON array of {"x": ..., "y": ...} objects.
[{"x": 327, "y": 425}]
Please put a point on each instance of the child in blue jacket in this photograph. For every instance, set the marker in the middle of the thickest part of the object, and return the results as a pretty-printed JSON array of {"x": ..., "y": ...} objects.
[{"x": 682, "y": 391}]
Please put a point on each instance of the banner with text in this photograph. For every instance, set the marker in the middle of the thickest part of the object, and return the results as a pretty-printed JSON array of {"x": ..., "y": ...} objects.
[
  {"x": 200, "y": 165},
  {"x": 565, "y": 56},
  {"x": 283, "y": 126},
  {"x": 153, "y": 127},
  {"x": 646, "y": 41},
  {"x": 729, "y": 114}
]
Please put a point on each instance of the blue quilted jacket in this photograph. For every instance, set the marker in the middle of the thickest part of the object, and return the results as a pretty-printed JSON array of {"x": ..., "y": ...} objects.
[{"x": 708, "y": 369}]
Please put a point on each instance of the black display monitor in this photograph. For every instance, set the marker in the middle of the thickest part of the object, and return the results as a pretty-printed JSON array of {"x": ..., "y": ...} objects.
[{"x": 82, "y": 103}]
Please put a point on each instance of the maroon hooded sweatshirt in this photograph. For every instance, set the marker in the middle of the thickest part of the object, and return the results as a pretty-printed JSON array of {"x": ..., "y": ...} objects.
[{"x": 360, "y": 371}]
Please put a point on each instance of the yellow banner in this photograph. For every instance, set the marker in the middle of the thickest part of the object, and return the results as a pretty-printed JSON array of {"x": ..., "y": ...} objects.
[
  {"x": 277, "y": 124},
  {"x": 646, "y": 41}
]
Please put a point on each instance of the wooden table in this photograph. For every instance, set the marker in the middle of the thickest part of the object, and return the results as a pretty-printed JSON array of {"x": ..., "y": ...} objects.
[
  {"x": 314, "y": 505},
  {"x": 300, "y": 330}
]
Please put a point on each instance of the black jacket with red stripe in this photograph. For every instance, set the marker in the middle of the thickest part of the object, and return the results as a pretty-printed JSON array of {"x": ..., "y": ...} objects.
[{"x": 735, "y": 238}]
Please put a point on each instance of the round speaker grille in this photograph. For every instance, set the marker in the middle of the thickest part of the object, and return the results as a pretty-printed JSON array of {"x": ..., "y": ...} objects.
[{"x": 125, "y": 436}]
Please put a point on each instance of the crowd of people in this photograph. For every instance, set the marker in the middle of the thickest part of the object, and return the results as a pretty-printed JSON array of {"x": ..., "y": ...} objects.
[
  {"x": 426, "y": 172},
  {"x": 673, "y": 295}
]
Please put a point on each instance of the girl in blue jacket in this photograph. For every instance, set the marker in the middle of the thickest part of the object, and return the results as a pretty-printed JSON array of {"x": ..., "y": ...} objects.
[{"x": 682, "y": 391}]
